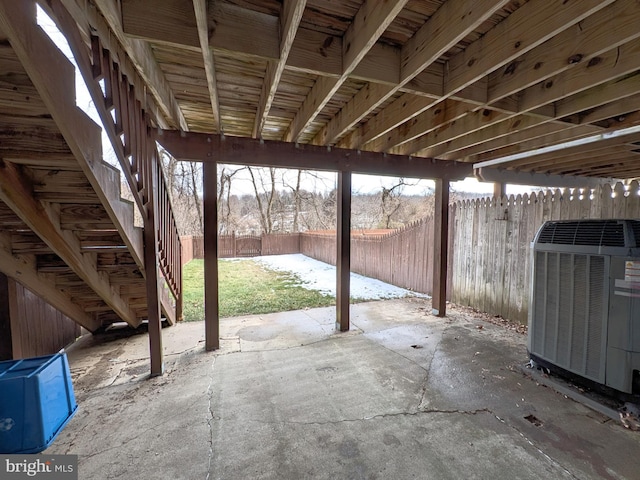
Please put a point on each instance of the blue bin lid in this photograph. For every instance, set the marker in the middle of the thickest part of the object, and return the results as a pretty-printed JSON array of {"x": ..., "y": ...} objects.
[{"x": 25, "y": 367}]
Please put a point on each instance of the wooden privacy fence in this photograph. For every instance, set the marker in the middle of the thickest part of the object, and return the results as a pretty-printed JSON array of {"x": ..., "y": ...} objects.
[
  {"x": 489, "y": 245},
  {"x": 231, "y": 246},
  {"x": 403, "y": 257},
  {"x": 492, "y": 240}
]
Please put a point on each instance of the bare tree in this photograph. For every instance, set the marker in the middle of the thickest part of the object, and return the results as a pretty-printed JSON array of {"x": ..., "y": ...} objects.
[
  {"x": 227, "y": 222},
  {"x": 196, "y": 197},
  {"x": 184, "y": 181},
  {"x": 264, "y": 186},
  {"x": 391, "y": 201}
]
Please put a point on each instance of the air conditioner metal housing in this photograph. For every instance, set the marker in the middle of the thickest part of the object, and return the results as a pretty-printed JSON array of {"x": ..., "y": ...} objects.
[{"x": 584, "y": 310}]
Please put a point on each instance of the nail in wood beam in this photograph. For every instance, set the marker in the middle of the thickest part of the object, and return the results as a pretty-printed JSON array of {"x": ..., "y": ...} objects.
[
  {"x": 211, "y": 309},
  {"x": 343, "y": 257},
  {"x": 440, "y": 248}
]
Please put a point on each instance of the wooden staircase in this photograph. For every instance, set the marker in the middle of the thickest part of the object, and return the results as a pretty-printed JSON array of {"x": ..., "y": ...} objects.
[{"x": 65, "y": 232}]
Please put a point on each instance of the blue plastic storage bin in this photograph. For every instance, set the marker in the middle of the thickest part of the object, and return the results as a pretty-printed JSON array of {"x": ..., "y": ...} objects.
[{"x": 36, "y": 402}]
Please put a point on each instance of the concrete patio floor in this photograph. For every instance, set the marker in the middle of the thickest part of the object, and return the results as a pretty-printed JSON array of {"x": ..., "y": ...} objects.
[{"x": 402, "y": 395}]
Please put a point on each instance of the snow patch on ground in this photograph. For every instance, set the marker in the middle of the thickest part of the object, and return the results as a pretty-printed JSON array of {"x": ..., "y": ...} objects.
[{"x": 315, "y": 275}]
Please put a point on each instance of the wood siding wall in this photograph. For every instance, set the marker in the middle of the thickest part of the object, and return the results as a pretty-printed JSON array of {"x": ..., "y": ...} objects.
[{"x": 36, "y": 327}]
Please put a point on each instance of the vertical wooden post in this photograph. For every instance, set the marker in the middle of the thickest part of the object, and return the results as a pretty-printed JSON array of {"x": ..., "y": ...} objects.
[
  {"x": 211, "y": 307},
  {"x": 440, "y": 248},
  {"x": 343, "y": 256},
  {"x": 6, "y": 347},
  {"x": 151, "y": 264},
  {"x": 499, "y": 190}
]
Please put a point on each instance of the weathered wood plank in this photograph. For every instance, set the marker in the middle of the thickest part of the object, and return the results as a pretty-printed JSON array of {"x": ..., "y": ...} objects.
[
  {"x": 23, "y": 269},
  {"x": 200, "y": 7},
  {"x": 16, "y": 192},
  {"x": 290, "y": 20},
  {"x": 209, "y": 148}
]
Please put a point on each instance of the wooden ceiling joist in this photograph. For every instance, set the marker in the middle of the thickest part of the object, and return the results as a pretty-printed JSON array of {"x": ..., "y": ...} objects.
[
  {"x": 532, "y": 98},
  {"x": 579, "y": 43},
  {"x": 584, "y": 147},
  {"x": 535, "y": 23},
  {"x": 368, "y": 25},
  {"x": 424, "y": 48},
  {"x": 589, "y": 97},
  {"x": 292, "y": 11},
  {"x": 200, "y": 8}
]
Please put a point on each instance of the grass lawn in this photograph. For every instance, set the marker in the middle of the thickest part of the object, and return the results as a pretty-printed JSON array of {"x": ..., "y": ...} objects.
[{"x": 247, "y": 288}]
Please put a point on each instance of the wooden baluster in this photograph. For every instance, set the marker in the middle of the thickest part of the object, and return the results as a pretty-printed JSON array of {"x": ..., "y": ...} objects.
[
  {"x": 96, "y": 58},
  {"x": 138, "y": 128}
]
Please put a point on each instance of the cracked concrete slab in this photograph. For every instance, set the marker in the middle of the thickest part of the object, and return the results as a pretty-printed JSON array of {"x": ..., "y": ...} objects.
[{"x": 402, "y": 395}]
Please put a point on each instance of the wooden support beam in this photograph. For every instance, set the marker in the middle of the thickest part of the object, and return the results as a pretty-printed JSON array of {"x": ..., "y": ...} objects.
[
  {"x": 574, "y": 104},
  {"x": 538, "y": 132},
  {"x": 579, "y": 82},
  {"x": 440, "y": 115},
  {"x": 200, "y": 7},
  {"x": 440, "y": 249},
  {"x": 343, "y": 254},
  {"x": 570, "y": 67},
  {"x": 292, "y": 11},
  {"x": 313, "y": 52},
  {"x": 200, "y": 147},
  {"x": 535, "y": 24},
  {"x": 577, "y": 44},
  {"x": 612, "y": 116},
  {"x": 156, "y": 351},
  {"x": 575, "y": 90},
  {"x": 211, "y": 305},
  {"x": 436, "y": 37}
]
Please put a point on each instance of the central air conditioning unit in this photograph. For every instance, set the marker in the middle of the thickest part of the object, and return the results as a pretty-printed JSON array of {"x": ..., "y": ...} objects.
[{"x": 584, "y": 310}]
